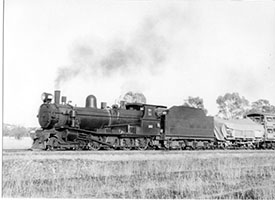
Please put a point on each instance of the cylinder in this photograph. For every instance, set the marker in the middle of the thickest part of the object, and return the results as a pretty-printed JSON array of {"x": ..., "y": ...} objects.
[
  {"x": 91, "y": 102},
  {"x": 57, "y": 96}
]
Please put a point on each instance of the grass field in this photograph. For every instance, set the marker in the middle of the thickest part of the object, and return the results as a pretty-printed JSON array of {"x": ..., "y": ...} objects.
[{"x": 199, "y": 175}]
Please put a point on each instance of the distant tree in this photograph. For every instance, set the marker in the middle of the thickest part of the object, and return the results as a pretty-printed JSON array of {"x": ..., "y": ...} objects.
[
  {"x": 131, "y": 97},
  {"x": 195, "y": 102},
  {"x": 232, "y": 106},
  {"x": 262, "y": 105},
  {"x": 6, "y": 130},
  {"x": 15, "y": 131},
  {"x": 19, "y": 132}
]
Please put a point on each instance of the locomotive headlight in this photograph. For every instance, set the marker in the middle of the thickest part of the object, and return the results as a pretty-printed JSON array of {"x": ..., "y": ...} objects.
[
  {"x": 43, "y": 97},
  {"x": 46, "y": 97},
  {"x": 50, "y": 97}
]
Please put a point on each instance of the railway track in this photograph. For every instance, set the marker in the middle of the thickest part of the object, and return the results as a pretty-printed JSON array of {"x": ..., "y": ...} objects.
[
  {"x": 133, "y": 151},
  {"x": 130, "y": 155}
]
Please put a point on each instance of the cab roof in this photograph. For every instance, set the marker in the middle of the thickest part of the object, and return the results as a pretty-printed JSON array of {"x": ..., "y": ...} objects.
[{"x": 142, "y": 104}]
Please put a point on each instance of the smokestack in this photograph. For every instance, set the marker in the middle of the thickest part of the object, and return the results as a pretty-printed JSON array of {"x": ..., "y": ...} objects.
[
  {"x": 63, "y": 99},
  {"x": 57, "y": 96}
]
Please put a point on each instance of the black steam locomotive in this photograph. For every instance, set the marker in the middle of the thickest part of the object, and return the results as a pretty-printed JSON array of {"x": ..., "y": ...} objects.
[{"x": 130, "y": 126}]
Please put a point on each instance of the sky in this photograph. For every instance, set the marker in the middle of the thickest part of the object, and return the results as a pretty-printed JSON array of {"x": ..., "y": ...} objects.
[{"x": 168, "y": 50}]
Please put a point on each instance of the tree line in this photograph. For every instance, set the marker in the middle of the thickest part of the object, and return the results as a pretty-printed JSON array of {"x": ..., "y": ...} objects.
[
  {"x": 16, "y": 131},
  {"x": 232, "y": 105}
]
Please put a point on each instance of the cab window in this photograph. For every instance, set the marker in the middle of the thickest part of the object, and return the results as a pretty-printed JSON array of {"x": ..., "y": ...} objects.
[{"x": 149, "y": 112}]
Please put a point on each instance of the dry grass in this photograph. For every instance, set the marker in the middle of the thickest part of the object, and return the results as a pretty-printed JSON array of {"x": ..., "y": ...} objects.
[{"x": 190, "y": 175}]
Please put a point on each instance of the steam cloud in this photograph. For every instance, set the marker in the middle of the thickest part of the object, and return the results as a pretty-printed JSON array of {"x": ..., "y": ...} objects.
[{"x": 147, "y": 49}]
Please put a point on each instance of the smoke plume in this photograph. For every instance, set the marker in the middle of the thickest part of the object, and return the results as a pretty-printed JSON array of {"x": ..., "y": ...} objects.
[{"x": 147, "y": 49}]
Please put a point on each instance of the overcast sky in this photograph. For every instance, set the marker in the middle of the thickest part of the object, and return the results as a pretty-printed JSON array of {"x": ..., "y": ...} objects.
[{"x": 168, "y": 50}]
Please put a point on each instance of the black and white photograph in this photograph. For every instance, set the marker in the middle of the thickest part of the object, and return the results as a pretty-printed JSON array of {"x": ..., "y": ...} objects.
[{"x": 138, "y": 99}]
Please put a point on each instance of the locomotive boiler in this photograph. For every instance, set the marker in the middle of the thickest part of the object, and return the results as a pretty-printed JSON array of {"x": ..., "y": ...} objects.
[{"x": 89, "y": 117}]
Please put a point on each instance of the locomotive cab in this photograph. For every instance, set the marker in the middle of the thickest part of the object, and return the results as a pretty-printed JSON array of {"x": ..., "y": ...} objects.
[{"x": 151, "y": 120}]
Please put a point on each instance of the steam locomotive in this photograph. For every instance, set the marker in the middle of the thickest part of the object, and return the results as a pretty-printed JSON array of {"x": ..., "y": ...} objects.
[{"x": 130, "y": 126}]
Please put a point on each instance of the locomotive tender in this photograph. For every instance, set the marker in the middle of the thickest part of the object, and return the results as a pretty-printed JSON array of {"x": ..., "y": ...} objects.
[
  {"x": 144, "y": 126},
  {"x": 132, "y": 126}
]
